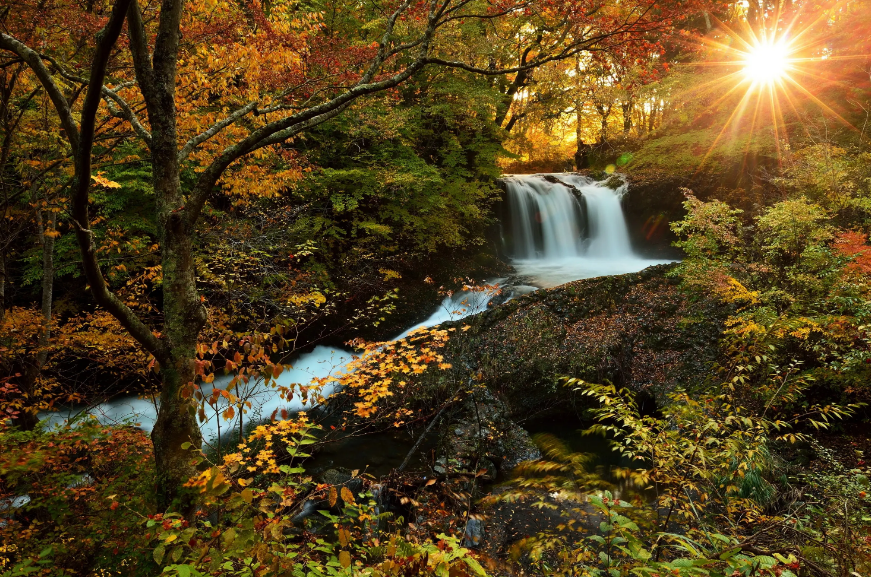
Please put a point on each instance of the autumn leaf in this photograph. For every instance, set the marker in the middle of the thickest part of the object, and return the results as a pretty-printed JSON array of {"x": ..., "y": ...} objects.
[
  {"x": 345, "y": 559},
  {"x": 347, "y": 496},
  {"x": 103, "y": 181}
]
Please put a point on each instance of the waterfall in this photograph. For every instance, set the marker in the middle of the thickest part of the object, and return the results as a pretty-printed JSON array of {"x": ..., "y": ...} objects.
[
  {"x": 546, "y": 219},
  {"x": 608, "y": 235},
  {"x": 564, "y": 227}
]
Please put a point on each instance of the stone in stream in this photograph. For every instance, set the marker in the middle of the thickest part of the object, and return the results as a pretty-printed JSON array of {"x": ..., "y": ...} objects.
[
  {"x": 482, "y": 438},
  {"x": 474, "y": 533}
]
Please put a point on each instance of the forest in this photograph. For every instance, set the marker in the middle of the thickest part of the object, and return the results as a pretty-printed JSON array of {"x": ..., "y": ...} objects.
[{"x": 435, "y": 287}]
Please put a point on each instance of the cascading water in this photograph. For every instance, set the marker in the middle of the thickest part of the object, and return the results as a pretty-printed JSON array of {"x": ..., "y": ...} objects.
[
  {"x": 320, "y": 363},
  {"x": 546, "y": 219},
  {"x": 565, "y": 227}
]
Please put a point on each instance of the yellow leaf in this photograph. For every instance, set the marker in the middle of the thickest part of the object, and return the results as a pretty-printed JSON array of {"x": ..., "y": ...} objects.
[
  {"x": 345, "y": 559},
  {"x": 103, "y": 181},
  {"x": 333, "y": 496},
  {"x": 171, "y": 538},
  {"x": 347, "y": 496}
]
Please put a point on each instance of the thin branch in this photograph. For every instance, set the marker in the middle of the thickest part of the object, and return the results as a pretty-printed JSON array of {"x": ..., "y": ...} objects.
[
  {"x": 123, "y": 111},
  {"x": 191, "y": 144},
  {"x": 139, "y": 50},
  {"x": 34, "y": 61}
]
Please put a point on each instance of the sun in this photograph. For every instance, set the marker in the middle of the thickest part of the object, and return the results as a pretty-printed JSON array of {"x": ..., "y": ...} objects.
[{"x": 767, "y": 63}]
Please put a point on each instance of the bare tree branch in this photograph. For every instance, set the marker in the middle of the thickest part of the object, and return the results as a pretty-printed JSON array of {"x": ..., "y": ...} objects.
[{"x": 123, "y": 111}]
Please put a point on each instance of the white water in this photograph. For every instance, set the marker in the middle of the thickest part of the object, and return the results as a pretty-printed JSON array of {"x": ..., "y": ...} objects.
[
  {"x": 555, "y": 243},
  {"x": 552, "y": 246},
  {"x": 321, "y": 362}
]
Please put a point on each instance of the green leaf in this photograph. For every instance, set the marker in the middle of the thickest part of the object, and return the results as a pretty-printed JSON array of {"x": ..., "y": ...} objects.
[
  {"x": 228, "y": 537},
  {"x": 158, "y": 553}
]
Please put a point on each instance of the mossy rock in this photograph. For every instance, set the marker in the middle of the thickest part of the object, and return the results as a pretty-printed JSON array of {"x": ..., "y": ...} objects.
[{"x": 639, "y": 331}]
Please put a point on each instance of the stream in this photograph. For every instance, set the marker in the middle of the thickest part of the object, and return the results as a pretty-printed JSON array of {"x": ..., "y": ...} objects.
[{"x": 558, "y": 229}]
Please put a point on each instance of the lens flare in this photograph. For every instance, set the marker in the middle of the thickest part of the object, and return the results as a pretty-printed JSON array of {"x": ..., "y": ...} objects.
[
  {"x": 767, "y": 62},
  {"x": 768, "y": 71}
]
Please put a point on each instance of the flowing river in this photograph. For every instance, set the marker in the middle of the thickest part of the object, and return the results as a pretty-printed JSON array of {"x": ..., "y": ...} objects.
[{"x": 560, "y": 228}]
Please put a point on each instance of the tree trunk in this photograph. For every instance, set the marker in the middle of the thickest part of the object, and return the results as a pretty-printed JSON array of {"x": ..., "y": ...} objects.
[
  {"x": 604, "y": 113},
  {"x": 2, "y": 285},
  {"x": 519, "y": 82},
  {"x": 582, "y": 152},
  {"x": 48, "y": 241},
  {"x": 627, "y": 108},
  {"x": 651, "y": 118},
  {"x": 176, "y": 425},
  {"x": 513, "y": 120},
  {"x": 28, "y": 418},
  {"x": 504, "y": 108},
  {"x": 183, "y": 313},
  {"x": 184, "y": 317}
]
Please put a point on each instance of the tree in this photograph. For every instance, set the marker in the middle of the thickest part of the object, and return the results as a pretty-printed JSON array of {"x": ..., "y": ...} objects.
[{"x": 221, "y": 82}]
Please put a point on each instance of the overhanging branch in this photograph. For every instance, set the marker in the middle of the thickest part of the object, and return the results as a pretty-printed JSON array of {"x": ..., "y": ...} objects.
[{"x": 106, "y": 39}]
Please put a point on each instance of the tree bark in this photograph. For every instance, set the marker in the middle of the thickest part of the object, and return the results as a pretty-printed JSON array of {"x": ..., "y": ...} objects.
[
  {"x": 184, "y": 313},
  {"x": 47, "y": 232},
  {"x": 627, "y": 108},
  {"x": 651, "y": 118},
  {"x": 519, "y": 82},
  {"x": 28, "y": 418},
  {"x": 2, "y": 285},
  {"x": 604, "y": 113},
  {"x": 582, "y": 152}
]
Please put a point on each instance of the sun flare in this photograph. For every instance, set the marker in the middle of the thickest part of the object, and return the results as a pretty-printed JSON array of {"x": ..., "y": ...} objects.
[{"x": 767, "y": 62}]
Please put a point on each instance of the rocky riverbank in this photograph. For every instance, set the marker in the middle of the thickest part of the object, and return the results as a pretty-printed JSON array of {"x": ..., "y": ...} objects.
[{"x": 638, "y": 331}]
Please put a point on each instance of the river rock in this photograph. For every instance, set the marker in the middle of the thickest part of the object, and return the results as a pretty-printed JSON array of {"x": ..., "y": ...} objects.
[
  {"x": 473, "y": 536},
  {"x": 482, "y": 438}
]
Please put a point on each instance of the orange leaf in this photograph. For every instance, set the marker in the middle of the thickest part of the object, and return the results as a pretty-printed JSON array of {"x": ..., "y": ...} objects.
[{"x": 347, "y": 496}]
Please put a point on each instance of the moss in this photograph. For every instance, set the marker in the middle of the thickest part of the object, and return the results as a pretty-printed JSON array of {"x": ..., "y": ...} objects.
[
  {"x": 707, "y": 150},
  {"x": 614, "y": 182}
]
